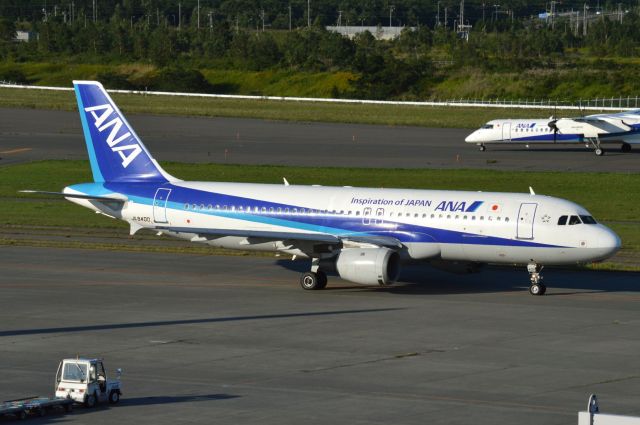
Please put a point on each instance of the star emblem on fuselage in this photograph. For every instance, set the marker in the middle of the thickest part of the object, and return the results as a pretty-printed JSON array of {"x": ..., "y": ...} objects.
[{"x": 546, "y": 218}]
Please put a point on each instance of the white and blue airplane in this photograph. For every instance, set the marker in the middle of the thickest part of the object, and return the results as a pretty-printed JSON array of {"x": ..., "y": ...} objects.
[
  {"x": 364, "y": 234},
  {"x": 593, "y": 131}
]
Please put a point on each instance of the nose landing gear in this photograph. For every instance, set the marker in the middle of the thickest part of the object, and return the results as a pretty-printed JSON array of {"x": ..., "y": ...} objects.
[
  {"x": 536, "y": 287},
  {"x": 482, "y": 147}
]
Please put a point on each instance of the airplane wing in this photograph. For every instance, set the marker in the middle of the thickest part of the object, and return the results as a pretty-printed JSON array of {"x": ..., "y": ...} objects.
[
  {"x": 290, "y": 237},
  {"x": 635, "y": 113}
]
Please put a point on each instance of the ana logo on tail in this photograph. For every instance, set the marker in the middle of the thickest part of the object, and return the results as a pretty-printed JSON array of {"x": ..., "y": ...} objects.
[{"x": 127, "y": 152}]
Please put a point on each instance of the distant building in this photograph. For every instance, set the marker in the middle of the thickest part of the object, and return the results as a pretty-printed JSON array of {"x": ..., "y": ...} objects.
[
  {"x": 25, "y": 36},
  {"x": 381, "y": 33}
]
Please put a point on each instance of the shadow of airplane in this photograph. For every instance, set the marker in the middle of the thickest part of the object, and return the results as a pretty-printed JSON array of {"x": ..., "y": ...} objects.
[
  {"x": 111, "y": 326},
  {"x": 425, "y": 279}
]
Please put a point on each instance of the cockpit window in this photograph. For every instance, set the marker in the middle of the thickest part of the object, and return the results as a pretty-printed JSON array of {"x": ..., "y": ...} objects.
[
  {"x": 562, "y": 220},
  {"x": 587, "y": 219},
  {"x": 487, "y": 126},
  {"x": 574, "y": 219}
]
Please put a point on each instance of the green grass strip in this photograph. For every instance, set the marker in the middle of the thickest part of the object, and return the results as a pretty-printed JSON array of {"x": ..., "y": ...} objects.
[
  {"x": 423, "y": 116},
  {"x": 611, "y": 197}
]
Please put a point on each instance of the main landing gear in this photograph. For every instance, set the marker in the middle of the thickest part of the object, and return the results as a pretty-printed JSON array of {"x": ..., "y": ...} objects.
[
  {"x": 314, "y": 279},
  {"x": 537, "y": 287},
  {"x": 595, "y": 143},
  {"x": 626, "y": 147}
]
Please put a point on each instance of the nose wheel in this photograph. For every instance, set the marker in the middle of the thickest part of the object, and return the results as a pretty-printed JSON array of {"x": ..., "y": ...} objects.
[
  {"x": 482, "y": 148},
  {"x": 536, "y": 287}
]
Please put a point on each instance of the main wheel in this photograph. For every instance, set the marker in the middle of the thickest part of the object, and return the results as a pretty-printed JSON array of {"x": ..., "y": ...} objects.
[
  {"x": 114, "y": 397},
  {"x": 90, "y": 400},
  {"x": 309, "y": 281},
  {"x": 68, "y": 407},
  {"x": 537, "y": 289},
  {"x": 599, "y": 152},
  {"x": 626, "y": 147}
]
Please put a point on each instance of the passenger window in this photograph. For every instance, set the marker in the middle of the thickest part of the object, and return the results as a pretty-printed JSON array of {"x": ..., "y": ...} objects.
[
  {"x": 279, "y": 210},
  {"x": 201, "y": 206},
  {"x": 562, "y": 220},
  {"x": 506, "y": 219},
  {"x": 209, "y": 207},
  {"x": 186, "y": 206},
  {"x": 358, "y": 213},
  {"x": 574, "y": 219},
  {"x": 264, "y": 210}
]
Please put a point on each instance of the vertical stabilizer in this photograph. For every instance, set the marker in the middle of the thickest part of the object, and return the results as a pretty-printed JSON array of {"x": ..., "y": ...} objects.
[{"x": 115, "y": 150}]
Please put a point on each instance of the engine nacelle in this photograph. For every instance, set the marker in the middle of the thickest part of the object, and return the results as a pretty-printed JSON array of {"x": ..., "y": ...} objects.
[{"x": 369, "y": 266}]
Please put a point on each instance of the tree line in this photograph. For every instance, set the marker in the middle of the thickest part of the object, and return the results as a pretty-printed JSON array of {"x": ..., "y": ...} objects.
[{"x": 384, "y": 69}]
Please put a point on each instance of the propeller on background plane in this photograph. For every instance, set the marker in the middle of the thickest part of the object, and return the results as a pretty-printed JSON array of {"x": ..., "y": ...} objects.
[{"x": 554, "y": 127}]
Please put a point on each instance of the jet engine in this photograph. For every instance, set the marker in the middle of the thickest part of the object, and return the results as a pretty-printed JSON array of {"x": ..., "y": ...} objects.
[{"x": 368, "y": 266}]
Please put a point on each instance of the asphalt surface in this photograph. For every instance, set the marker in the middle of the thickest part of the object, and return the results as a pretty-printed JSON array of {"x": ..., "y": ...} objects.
[
  {"x": 28, "y": 134},
  {"x": 234, "y": 340}
]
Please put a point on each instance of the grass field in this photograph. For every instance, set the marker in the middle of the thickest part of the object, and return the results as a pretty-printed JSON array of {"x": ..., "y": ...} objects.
[
  {"x": 424, "y": 116},
  {"x": 608, "y": 197}
]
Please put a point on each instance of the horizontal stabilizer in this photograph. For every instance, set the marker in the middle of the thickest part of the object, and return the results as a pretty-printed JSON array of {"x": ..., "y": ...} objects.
[{"x": 76, "y": 196}]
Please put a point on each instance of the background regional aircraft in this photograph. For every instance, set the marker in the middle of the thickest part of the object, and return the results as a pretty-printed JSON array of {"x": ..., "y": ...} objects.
[
  {"x": 364, "y": 234},
  {"x": 593, "y": 131}
]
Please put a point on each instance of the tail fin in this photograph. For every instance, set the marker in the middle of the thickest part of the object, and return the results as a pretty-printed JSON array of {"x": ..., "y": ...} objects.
[{"x": 115, "y": 150}]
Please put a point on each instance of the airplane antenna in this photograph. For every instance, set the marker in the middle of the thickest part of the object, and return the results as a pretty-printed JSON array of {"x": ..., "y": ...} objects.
[
  {"x": 531, "y": 191},
  {"x": 286, "y": 183}
]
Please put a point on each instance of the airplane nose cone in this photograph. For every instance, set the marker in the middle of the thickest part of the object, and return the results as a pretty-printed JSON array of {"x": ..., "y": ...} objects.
[
  {"x": 609, "y": 242},
  {"x": 472, "y": 138}
]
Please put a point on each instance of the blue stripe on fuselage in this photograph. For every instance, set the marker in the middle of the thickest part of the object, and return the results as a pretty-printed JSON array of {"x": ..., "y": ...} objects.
[{"x": 318, "y": 221}]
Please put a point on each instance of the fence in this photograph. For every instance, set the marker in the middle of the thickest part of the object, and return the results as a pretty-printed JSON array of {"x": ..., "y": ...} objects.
[{"x": 598, "y": 104}]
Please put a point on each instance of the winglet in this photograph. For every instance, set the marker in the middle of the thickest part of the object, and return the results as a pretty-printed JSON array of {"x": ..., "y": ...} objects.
[
  {"x": 531, "y": 191},
  {"x": 286, "y": 183}
]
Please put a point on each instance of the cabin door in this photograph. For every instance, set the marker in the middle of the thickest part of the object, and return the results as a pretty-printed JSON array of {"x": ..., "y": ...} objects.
[
  {"x": 526, "y": 216},
  {"x": 160, "y": 205},
  {"x": 506, "y": 131}
]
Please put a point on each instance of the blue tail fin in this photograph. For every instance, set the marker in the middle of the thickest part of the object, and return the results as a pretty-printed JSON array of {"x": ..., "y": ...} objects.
[{"x": 115, "y": 150}]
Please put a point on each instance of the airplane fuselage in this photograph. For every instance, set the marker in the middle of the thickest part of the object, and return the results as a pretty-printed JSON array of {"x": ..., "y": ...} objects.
[
  {"x": 429, "y": 224},
  {"x": 593, "y": 131}
]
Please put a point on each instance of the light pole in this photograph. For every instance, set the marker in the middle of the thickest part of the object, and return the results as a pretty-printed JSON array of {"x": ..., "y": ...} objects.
[
  {"x": 309, "y": 13},
  {"x": 391, "y": 9}
]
